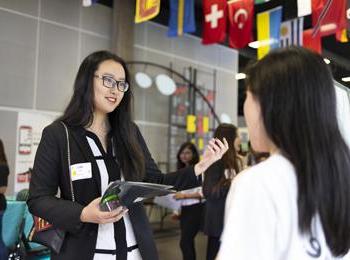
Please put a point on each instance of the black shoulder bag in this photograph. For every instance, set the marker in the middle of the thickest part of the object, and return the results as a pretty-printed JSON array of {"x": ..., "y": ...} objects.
[{"x": 42, "y": 231}]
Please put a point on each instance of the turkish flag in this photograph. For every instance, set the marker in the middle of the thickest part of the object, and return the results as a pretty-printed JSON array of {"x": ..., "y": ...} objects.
[
  {"x": 240, "y": 16},
  {"x": 214, "y": 28},
  {"x": 312, "y": 41},
  {"x": 329, "y": 17}
]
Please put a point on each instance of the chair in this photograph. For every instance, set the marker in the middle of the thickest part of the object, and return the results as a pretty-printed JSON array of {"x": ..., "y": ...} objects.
[
  {"x": 34, "y": 251},
  {"x": 12, "y": 222}
]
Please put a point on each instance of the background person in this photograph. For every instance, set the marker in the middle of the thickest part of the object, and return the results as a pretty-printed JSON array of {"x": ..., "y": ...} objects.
[
  {"x": 191, "y": 203},
  {"x": 217, "y": 181},
  {"x": 4, "y": 172}
]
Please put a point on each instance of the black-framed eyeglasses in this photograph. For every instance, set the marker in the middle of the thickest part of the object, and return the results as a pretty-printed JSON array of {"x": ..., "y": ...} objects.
[{"x": 110, "y": 82}]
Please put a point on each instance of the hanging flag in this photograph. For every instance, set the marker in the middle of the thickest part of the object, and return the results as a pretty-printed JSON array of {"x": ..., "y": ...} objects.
[
  {"x": 181, "y": 18},
  {"x": 240, "y": 16},
  {"x": 291, "y": 32},
  {"x": 146, "y": 10},
  {"x": 268, "y": 26},
  {"x": 329, "y": 17},
  {"x": 87, "y": 3},
  {"x": 260, "y": 1},
  {"x": 296, "y": 8},
  {"x": 312, "y": 41},
  {"x": 214, "y": 28},
  {"x": 348, "y": 18},
  {"x": 343, "y": 36}
]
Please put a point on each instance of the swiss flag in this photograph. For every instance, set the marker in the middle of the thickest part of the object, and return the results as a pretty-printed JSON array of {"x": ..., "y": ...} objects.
[
  {"x": 240, "y": 16},
  {"x": 329, "y": 17},
  {"x": 214, "y": 29}
]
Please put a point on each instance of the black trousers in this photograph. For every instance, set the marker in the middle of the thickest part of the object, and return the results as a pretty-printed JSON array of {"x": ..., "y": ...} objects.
[
  {"x": 213, "y": 247},
  {"x": 190, "y": 224}
]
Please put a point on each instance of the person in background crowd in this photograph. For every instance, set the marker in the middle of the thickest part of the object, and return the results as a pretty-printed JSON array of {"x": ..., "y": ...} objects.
[
  {"x": 296, "y": 203},
  {"x": 217, "y": 181},
  {"x": 105, "y": 145},
  {"x": 191, "y": 203},
  {"x": 254, "y": 157},
  {"x": 4, "y": 172}
]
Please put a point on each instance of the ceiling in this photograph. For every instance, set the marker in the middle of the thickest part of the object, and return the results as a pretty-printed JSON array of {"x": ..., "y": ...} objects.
[{"x": 338, "y": 53}]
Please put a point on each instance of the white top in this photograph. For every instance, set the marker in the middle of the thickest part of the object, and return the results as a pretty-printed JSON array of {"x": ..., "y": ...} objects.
[{"x": 261, "y": 217}]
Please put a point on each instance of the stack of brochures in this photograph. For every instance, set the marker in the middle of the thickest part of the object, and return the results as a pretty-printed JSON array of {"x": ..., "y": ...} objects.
[{"x": 125, "y": 193}]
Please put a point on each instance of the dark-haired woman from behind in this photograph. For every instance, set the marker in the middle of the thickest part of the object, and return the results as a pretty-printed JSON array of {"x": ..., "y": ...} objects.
[
  {"x": 295, "y": 204},
  {"x": 4, "y": 172},
  {"x": 217, "y": 181},
  {"x": 191, "y": 203},
  {"x": 105, "y": 145}
]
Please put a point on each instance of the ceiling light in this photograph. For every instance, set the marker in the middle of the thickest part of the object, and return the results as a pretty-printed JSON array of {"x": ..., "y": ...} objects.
[
  {"x": 327, "y": 61},
  {"x": 346, "y": 79},
  {"x": 240, "y": 76},
  {"x": 225, "y": 118},
  {"x": 143, "y": 80},
  {"x": 165, "y": 84},
  {"x": 258, "y": 44}
]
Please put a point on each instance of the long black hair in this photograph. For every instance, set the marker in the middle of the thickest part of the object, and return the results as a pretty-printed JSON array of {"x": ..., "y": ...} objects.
[
  {"x": 215, "y": 179},
  {"x": 79, "y": 113},
  {"x": 230, "y": 158},
  {"x": 295, "y": 90},
  {"x": 195, "y": 155}
]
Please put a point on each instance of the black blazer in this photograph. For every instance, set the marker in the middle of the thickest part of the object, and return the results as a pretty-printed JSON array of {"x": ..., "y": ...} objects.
[
  {"x": 50, "y": 172},
  {"x": 215, "y": 200}
]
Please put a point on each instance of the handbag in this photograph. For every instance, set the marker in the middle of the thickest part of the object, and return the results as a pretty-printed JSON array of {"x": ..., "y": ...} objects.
[{"x": 44, "y": 232}]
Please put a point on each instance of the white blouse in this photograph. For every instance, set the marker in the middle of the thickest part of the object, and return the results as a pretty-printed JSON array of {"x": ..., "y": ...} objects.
[{"x": 261, "y": 217}]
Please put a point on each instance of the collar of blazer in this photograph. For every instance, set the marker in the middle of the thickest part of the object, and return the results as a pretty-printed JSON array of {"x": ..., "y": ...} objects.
[{"x": 78, "y": 135}]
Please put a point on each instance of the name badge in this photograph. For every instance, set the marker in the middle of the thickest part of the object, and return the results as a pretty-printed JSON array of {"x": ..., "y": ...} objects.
[{"x": 80, "y": 171}]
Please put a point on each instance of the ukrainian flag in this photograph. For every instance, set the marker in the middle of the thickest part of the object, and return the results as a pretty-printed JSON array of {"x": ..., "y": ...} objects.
[
  {"x": 181, "y": 19},
  {"x": 269, "y": 24}
]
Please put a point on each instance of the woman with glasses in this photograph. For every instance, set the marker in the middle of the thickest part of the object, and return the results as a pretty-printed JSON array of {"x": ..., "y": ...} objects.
[{"x": 105, "y": 145}]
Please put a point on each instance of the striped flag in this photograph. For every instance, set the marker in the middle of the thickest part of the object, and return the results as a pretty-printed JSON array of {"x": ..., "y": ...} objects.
[
  {"x": 181, "y": 19},
  {"x": 268, "y": 27},
  {"x": 291, "y": 32},
  {"x": 88, "y": 3}
]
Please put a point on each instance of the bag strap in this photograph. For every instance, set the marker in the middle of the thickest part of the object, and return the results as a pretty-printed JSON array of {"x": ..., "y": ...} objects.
[{"x": 69, "y": 164}]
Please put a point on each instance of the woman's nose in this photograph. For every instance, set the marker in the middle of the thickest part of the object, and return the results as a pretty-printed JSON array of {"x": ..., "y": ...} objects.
[{"x": 113, "y": 90}]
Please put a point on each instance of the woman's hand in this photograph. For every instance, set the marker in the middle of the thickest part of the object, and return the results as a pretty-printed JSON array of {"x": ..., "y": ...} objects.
[
  {"x": 92, "y": 213},
  {"x": 213, "y": 152}
]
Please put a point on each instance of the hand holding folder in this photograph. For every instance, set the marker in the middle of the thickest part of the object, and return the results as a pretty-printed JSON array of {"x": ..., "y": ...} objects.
[{"x": 125, "y": 193}]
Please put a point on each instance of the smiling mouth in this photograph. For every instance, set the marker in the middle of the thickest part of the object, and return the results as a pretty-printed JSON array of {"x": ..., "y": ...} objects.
[{"x": 110, "y": 99}]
